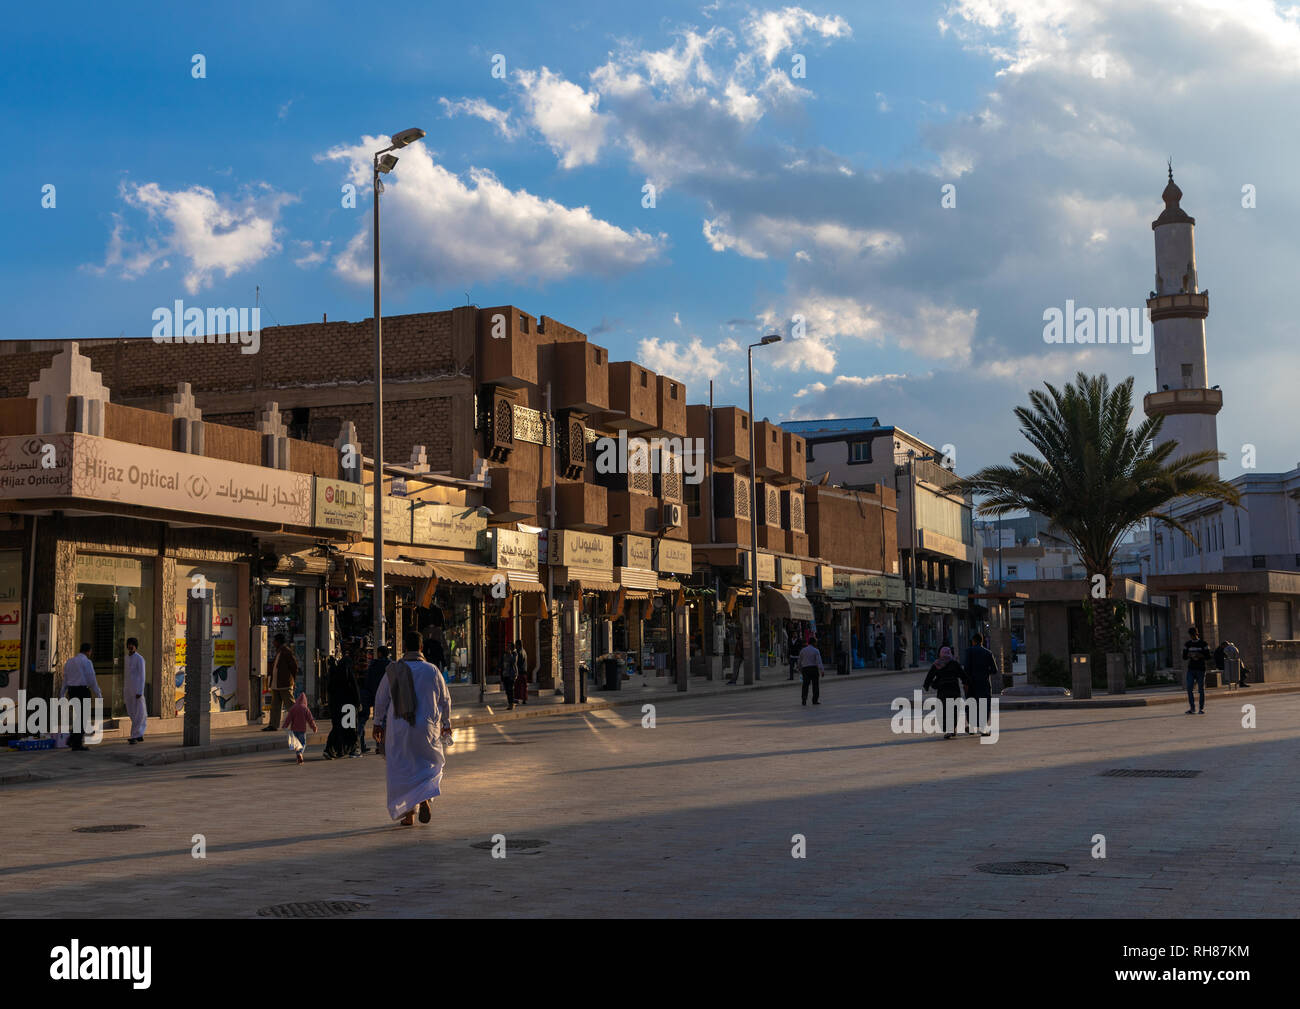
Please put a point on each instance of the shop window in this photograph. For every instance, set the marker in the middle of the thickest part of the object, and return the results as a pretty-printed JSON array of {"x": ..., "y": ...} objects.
[
  {"x": 300, "y": 423},
  {"x": 115, "y": 601},
  {"x": 11, "y": 613},
  {"x": 692, "y": 496},
  {"x": 222, "y": 581}
]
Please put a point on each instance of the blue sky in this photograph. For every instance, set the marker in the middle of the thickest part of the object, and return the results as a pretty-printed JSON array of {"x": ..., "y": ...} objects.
[{"x": 776, "y": 195}]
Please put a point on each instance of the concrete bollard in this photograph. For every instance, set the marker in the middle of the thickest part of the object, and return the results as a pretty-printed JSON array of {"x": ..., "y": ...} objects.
[
  {"x": 1115, "y": 673},
  {"x": 1080, "y": 676}
]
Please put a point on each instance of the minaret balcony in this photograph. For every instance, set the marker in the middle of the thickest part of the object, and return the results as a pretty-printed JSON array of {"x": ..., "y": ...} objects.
[
  {"x": 1183, "y": 401},
  {"x": 1179, "y": 306}
]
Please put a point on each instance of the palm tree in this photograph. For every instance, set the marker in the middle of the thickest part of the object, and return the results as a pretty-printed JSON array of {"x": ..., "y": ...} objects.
[{"x": 1097, "y": 478}]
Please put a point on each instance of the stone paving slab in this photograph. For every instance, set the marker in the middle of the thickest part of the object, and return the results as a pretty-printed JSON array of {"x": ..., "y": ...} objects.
[{"x": 695, "y": 818}]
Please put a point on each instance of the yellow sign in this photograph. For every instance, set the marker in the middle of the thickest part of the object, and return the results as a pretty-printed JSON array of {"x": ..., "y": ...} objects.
[
  {"x": 397, "y": 518},
  {"x": 444, "y": 525},
  {"x": 674, "y": 557},
  {"x": 339, "y": 505},
  {"x": 578, "y": 549},
  {"x": 637, "y": 552},
  {"x": 514, "y": 551}
]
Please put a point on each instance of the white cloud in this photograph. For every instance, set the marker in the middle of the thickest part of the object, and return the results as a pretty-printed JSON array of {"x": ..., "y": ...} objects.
[
  {"x": 691, "y": 362},
  {"x": 565, "y": 115},
  {"x": 311, "y": 254},
  {"x": 442, "y": 229},
  {"x": 212, "y": 234},
  {"x": 481, "y": 109},
  {"x": 773, "y": 32}
]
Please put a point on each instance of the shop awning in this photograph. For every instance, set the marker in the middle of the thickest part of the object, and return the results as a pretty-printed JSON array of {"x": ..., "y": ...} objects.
[
  {"x": 463, "y": 574},
  {"x": 526, "y": 585},
  {"x": 785, "y": 605},
  {"x": 398, "y": 569},
  {"x": 589, "y": 585}
]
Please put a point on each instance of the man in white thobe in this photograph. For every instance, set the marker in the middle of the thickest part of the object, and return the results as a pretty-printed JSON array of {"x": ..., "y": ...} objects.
[
  {"x": 412, "y": 716},
  {"x": 79, "y": 683},
  {"x": 133, "y": 691}
]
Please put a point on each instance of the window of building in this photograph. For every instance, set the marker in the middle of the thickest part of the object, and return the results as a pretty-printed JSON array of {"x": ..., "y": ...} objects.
[
  {"x": 223, "y": 581},
  {"x": 115, "y": 602},
  {"x": 1187, "y": 376},
  {"x": 595, "y": 354},
  {"x": 744, "y": 422},
  {"x": 299, "y": 423},
  {"x": 11, "y": 606},
  {"x": 523, "y": 323},
  {"x": 672, "y": 390},
  {"x": 860, "y": 451},
  {"x": 1012, "y": 570},
  {"x": 645, "y": 379},
  {"x": 692, "y": 497}
]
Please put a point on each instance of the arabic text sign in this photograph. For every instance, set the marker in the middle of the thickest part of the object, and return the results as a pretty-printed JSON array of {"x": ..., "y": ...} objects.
[
  {"x": 397, "y": 518},
  {"x": 27, "y": 468},
  {"x": 133, "y": 474},
  {"x": 445, "y": 525},
  {"x": 637, "y": 552},
  {"x": 675, "y": 557},
  {"x": 578, "y": 549},
  {"x": 515, "y": 551},
  {"x": 339, "y": 505}
]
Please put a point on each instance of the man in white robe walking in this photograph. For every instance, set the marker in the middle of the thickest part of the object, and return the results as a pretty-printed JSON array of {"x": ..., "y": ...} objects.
[
  {"x": 412, "y": 718},
  {"x": 133, "y": 691}
]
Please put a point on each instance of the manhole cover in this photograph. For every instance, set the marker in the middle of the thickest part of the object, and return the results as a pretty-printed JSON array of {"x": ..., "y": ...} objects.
[
  {"x": 512, "y": 843},
  {"x": 1021, "y": 868},
  {"x": 109, "y": 828},
  {"x": 209, "y": 775},
  {"x": 312, "y": 909},
  {"x": 1133, "y": 772}
]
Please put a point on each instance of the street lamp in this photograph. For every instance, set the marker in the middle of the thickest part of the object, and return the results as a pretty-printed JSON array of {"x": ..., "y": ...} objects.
[
  {"x": 751, "y": 673},
  {"x": 383, "y": 163}
]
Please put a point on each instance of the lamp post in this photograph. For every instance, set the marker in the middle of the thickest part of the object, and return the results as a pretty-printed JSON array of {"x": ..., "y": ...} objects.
[
  {"x": 383, "y": 163},
  {"x": 751, "y": 673},
  {"x": 912, "y": 458}
]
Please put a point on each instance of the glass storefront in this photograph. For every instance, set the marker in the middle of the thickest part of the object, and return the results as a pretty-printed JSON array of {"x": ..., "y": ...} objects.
[
  {"x": 115, "y": 601},
  {"x": 11, "y": 620},
  {"x": 284, "y": 611},
  {"x": 222, "y": 580}
]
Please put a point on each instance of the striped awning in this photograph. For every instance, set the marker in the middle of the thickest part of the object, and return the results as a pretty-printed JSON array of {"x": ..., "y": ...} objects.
[{"x": 463, "y": 574}]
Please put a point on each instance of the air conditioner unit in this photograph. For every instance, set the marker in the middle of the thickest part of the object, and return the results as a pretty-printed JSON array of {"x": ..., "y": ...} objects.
[{"x": 673, "y": 515}]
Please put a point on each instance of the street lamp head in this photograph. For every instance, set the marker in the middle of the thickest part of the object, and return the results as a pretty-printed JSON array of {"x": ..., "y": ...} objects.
[
  {"x": 387, "y": 163},
  {"x": 407, "y": 137},
  {"x": 771, "y": 338}
]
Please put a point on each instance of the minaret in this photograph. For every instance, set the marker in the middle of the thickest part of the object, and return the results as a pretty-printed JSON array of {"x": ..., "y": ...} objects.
[{"x": 1178, "y": 310}]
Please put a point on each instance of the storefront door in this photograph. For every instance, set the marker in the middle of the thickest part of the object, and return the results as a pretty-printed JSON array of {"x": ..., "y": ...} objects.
[{"x": 115, "y": 602}]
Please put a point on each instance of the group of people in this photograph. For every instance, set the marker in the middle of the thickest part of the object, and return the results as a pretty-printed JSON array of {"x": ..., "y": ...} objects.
[{"x": 950, "y": 678}]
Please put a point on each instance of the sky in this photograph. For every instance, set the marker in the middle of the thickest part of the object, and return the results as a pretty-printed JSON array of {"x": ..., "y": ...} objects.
[{"x": 901, "y": 190}]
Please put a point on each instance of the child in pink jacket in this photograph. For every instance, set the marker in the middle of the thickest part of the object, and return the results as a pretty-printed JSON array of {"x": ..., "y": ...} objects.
[{"x": 297, "y": 721}]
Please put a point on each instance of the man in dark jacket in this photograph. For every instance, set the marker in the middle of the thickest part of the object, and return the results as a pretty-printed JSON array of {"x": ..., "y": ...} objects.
[
  {"x": 981, "y": 668},
  {"x": 947, "y": 677},
  {"x": 374, "y": 676},
  {"x": 1197, "y": 653},
  {"x": 508, "y": 676}
]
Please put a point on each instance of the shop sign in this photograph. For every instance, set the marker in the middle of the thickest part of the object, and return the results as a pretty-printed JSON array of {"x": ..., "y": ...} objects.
[
  {"x": 83, "y": 466},
  {"x": 674, "y": 557},
  {"x": 825, "y": 578},
  {"x": 895, "y": 589},
  {"x": 397, "y": 518},
  {"x": 444, "y": 525},
  {"x": 766, "y": 566},
  {"x": 637, "y": 552},
  {"x": 578, "y": 549},
  {"x": 514, "y": 551},
  {"x": 842, "y": 587},
  {"x": 791, "y": 570},
  {"x": 339, "y": 505}
]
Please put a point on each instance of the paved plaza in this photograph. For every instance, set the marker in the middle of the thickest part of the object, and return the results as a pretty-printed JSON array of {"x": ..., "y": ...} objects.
[{"x": 695, "y": 817}]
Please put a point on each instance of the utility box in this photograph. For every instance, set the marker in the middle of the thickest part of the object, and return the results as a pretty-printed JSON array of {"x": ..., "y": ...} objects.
[
  {"x": 1115, "y": 673},
  {"x": 1081, "y": 675}
]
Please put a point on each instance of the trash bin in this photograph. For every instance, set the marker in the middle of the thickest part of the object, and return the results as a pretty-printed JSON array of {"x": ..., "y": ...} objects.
[{"x": 612, "y": 676}]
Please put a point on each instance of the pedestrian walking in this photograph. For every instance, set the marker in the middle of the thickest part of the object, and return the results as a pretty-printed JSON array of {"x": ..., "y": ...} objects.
[
  {"x": 792, "y": 648},
  {"x": 298, "y": 720},
  {"x": 133, "y": 691},
  {"x": 412, "y": 721},
  {"x": 947, "y": 677},
  {"x": 521, "y": 673},
  {"x": 900, "y": 649},
  {"x": 345, "y": 707},
  {"x": 1197, "y": 653},
  {"x": 284, "y": 671},
  {"x": 79, "y": 684},
  {"x": 810, "y": 665},
  {"x": 507, "y": 666},
  {"x": 880, "y": 650},
  {"x": 981, "y": 668}
]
